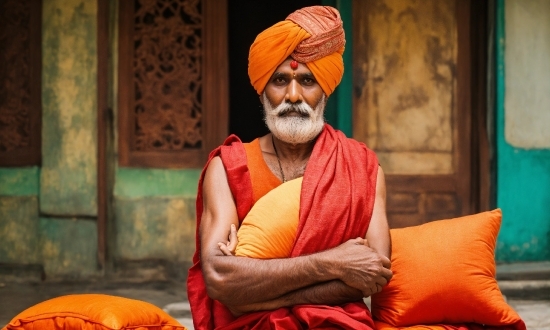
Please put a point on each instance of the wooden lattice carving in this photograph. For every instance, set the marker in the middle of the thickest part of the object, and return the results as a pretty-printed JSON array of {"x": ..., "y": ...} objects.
[
  {"x": 172, "y": 81},
  {"x": 167, "y": 74},
  {"x": 19, "y": 97},
  {"x": 14, "y": 75}
]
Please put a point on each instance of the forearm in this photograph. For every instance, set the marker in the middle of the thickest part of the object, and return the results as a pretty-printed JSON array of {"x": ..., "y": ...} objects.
[
  {"x": 245, "y": 281},
  {"x": 328, "y": 293}
]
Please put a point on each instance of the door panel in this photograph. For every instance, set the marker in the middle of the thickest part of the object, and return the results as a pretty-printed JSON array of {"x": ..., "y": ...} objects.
[{"x": 412, "y": 103}]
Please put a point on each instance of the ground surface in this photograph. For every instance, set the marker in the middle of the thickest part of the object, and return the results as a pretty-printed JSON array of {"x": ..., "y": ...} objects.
[{"x": 527, "y": 289}]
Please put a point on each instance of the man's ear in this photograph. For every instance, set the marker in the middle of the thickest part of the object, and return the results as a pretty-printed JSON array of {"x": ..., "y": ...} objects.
[{"x": 261, "y": 99}]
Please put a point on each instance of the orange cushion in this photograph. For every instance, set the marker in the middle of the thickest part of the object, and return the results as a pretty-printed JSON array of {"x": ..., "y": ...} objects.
[
  {"x": 384, "y": 326},
  {"x": 93, "y": 311},
  {"x": 444, "y": 273},
  {"x": 269, "y": 229}
]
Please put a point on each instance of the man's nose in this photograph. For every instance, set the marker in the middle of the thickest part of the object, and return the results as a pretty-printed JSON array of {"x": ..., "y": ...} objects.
[{"x": 294, "y": 92}]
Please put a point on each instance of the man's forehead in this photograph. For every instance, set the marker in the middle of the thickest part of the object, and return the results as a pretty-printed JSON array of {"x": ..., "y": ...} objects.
[{"x": 286, "y": 68}]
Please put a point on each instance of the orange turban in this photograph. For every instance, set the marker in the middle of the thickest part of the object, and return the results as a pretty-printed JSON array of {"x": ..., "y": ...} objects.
[{"x": 311, "y": 35}]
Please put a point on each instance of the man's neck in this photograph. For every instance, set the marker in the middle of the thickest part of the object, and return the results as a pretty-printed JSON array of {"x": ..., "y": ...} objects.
[{"x": 287, "y": 151}]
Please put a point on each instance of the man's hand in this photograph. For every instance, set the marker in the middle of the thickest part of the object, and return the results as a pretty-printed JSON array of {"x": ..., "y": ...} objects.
[
  {"x": 360, "y": 266},
  {"x": 228, "y": 248}
]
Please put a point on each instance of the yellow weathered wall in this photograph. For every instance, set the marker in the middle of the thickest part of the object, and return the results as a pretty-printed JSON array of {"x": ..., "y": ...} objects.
[{"x": 68, "y": 183}]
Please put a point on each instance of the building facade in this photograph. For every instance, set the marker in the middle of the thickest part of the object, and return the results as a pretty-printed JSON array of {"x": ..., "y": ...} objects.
[{"x": 109, "y": 108}]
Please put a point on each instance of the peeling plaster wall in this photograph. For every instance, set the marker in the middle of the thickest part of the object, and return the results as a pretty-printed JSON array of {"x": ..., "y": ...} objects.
[
  {"x": 19, "y": 229},
  {"x": 523, "y": 175},
  {"x": 69, "y": 94},
  {"x": 155, "y": 214},
  {"x": 68, "y": 247},
  {"x": 19, "y": 232},
  {"x": 155, "y": 228},
  {"x": 68, "y": 178}
]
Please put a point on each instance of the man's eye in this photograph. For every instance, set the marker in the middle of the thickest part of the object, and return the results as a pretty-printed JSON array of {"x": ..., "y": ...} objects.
[
  {"x": 279, "y": 80},
  {"x": 308, "y": 81}
]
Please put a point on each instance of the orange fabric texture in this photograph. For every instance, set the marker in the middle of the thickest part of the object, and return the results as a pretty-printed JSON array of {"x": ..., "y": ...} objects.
[
  {"x": 269, "y": 230},
  {"x": 468, "y": 326},
  {"x": 312, "y": 35},
  {"x": 93, "y": 312},
  {"x": 384, "y": 326},
  {"x": 444, "y": 273},
  {"x": 263, "y": 180}
]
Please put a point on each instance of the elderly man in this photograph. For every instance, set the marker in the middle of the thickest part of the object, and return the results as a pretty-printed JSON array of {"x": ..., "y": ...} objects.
[{"x": 341, "y": 248}]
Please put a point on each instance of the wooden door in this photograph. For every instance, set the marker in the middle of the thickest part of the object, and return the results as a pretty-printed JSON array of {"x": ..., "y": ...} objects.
[{"x": 419, "y": 97}]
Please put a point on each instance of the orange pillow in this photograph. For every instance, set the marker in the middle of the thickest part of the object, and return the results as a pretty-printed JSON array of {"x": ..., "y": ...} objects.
[
  {"x": 384, "y": 326},
  {"x": 93, "y": 312},
  {"x": 444, "y": 273},
  {"x": 269, "y": 229}
]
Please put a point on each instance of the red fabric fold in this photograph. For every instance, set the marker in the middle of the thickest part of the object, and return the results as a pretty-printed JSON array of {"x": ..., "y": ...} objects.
[
  {"x": 337, "y": 200},
  {"x": 233, "y": 156}
]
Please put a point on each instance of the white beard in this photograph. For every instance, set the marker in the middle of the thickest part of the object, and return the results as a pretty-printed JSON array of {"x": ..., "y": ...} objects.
[{"x": 294, "y": 129}]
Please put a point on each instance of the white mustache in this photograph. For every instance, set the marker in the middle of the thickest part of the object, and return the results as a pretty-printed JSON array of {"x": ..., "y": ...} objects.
[{"x": 303, "y": 110}]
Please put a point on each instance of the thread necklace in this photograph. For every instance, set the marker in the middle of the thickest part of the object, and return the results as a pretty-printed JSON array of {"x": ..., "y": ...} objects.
[{"x": 278, "y": 159}]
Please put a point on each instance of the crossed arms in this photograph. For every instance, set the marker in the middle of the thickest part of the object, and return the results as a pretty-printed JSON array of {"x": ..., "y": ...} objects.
[{"x": 357, "y": 268}]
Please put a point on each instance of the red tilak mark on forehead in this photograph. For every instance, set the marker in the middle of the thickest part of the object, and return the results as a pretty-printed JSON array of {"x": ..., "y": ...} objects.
[{"x": 294, "y": 65}]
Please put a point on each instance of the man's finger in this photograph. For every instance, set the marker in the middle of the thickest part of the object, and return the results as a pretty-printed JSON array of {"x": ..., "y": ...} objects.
[
  {"x": 224, "y": 249},
  {"x": 233, "y": 240},
  {"x": 385, "y": 262},
  {"x": 381, "y": 280},
  {"x": 387, "y": 274}
]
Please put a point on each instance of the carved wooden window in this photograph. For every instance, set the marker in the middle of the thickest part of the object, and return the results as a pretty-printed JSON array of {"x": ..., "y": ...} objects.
[
  {"x": 172, "y": 81},
  {"x": 20, "y": 84}
]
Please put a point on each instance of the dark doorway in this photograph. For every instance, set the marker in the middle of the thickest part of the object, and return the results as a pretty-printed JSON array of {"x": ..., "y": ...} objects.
[{"x": 247, "y": 18}]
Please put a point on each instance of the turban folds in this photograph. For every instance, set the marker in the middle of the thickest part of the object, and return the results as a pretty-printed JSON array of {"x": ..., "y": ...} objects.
[{"x": 311, "y": 35}]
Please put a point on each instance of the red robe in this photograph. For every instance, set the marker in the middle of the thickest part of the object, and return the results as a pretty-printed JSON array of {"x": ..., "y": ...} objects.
[{"x": 337, "y": 200}]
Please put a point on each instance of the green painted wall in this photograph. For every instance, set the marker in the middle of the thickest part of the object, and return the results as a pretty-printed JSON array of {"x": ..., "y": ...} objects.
[
  {"x": 19, "y": 229},
  {"x": 68, "y": 247},
  {"x": 155, "y": 228},
  {"x": 523, "y": 179},
  {"x": 69, "y": 106},
  {"x": 22, "y": 181},
  {"x": 339, "y": 110},
  {"x": 155, "y": 214},
  {"x": 156, "y": 182}
]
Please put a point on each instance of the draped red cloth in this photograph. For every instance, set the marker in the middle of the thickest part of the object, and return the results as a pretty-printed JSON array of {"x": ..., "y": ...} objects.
[{"x": 337, "y": 200}]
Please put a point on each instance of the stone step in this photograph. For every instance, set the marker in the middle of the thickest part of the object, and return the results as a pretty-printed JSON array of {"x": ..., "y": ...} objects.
[{"x": 524, "y": 271}]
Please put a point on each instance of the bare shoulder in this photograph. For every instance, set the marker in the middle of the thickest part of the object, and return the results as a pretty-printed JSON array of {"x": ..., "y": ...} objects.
[
  {"x": 215, "y": 167},
  {"x": 380, "y": 180},
  {"x": 216, "y": 192}
]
